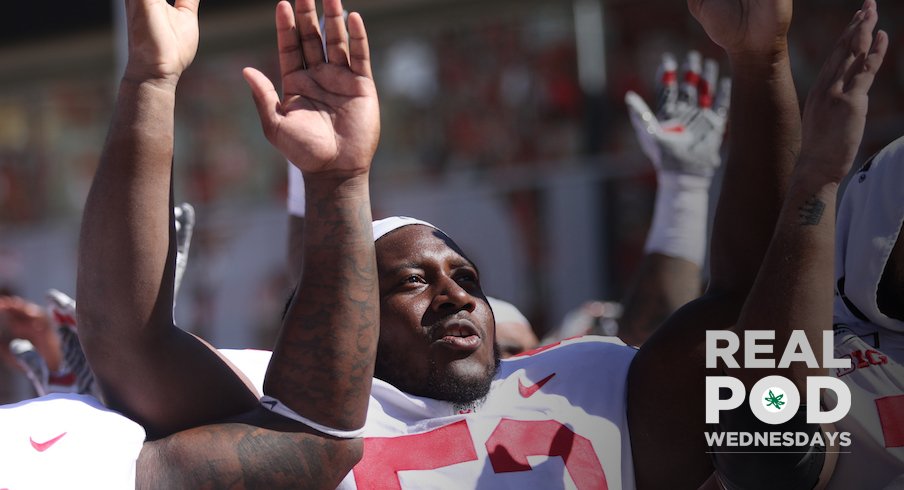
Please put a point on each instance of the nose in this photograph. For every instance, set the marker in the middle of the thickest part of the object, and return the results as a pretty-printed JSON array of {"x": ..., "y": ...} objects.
[{"x": 451, "y": 296}]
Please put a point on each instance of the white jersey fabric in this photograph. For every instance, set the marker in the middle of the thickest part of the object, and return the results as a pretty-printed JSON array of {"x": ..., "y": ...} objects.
[
  {"x": 67, "y": 441},
  {"x": 869, "y": 222},
  {"x": 554, "y": 419}
]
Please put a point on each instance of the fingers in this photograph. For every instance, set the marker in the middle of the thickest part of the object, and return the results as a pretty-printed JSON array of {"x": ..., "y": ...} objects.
[
  {"x": 309, "y": 32},
  {"x": 723, "y": 97},
  {"x": 667, "y": 89},
  {"x": 290, "y": 56},
  {"x": 688, "y": 88},
  {"x": 190, "y": 5},
  {"x": 861, "y": 74},
  {"x": 359, "y": 50},
  {"x": 303, "y": 44},
  {"x": 265, "y": 99},
  {"x": 842, "y": 55},
  {"x": 334, "y": 30},
  {"x": 707, "y": 83},
  {"x": 858, "y": 55},
  {"x": 641, "y": 116}
]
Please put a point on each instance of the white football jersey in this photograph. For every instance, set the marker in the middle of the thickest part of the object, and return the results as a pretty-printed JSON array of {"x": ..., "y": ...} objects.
[
  {"x": 67, "y": 441},
  {"x": 868, "y": 226},
  {"x": 553, "y": 419},
  {"x": 875, "y": 458}
]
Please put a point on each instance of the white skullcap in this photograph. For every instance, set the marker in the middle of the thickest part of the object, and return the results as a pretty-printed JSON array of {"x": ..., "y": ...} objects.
[{"x": 386, "y": 225}]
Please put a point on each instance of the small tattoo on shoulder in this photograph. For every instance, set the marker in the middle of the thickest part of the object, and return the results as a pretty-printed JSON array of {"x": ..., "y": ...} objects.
[{"x": 811, "y": 211}]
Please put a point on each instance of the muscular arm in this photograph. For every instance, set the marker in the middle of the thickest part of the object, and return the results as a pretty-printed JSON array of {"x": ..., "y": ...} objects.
[
  {"x": 127, "y": 247},
  {"x": 327, "y": 123},
  {"x": 667, "y": 433},
  {"x": 662, "y": 284},
  {"x": 296, "y": 247},
  {"x": 257, "y": 450},
  {"x": 794, "y": 288}
]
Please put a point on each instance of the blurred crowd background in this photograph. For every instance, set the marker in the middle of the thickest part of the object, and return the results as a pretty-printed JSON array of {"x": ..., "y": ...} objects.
[{"x": 503, "y": 123}]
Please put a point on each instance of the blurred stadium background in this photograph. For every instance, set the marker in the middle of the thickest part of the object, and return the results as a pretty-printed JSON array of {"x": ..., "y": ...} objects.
[{"x": 503, "y": 123}]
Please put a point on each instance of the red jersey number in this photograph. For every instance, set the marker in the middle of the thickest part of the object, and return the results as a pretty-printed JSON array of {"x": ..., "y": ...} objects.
[{"x": 511, "y": 442}]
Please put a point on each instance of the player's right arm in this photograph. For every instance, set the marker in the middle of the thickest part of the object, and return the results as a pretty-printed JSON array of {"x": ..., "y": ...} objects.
[
  {"x": 666, "y": 430},
  {"x": 258, "y": 449},
  {"x": 327, "y": 123}
]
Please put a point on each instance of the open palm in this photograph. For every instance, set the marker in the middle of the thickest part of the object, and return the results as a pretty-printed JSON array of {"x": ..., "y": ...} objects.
[{"x": 328, "y": 117}]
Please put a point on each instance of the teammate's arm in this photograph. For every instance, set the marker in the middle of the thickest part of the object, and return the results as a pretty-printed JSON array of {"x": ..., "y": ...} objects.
[
  {"x": 682, "y": 137},
  {"x": 794, "y": 289},
  {"x": 666, "y": 431}
]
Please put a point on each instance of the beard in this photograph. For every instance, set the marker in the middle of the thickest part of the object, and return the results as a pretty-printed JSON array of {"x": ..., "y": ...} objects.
[
  {"x": 439, "y": 383},
  {"x": 459, "y": 389}
]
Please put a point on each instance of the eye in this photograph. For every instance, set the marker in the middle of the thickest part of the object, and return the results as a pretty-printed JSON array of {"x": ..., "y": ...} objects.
[
  {"x": 413, "y": 279},
  {"x": 467, "y": 277}
]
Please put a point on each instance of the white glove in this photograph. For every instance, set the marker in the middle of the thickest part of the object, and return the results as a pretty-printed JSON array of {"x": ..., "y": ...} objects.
[{"x": 685, "y": 134}]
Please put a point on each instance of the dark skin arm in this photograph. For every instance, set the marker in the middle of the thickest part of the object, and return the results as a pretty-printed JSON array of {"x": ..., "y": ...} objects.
[
  {"x": 209, "y": 429},
  {"x": 765, "y": 141},
  {"x": 661, "y": 285},
  {"x": 296, "y": 253},
  {"x": 256, "y": 450},
  {"x": 327, "y": 122},
  {"x": 127, "y": 245}
]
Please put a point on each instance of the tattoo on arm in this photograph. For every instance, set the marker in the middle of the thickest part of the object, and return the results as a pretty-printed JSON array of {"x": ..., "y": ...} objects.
[{"x": 811, "y": 212}]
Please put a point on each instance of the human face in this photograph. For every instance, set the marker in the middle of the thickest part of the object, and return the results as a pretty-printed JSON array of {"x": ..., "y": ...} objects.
[
  {"x": 514, "y": 338},
  {"x": 436, "y": 327}
]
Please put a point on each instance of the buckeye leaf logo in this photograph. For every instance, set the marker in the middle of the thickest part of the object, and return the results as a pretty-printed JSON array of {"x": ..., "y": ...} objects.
[{"x": 775, "y": 400}]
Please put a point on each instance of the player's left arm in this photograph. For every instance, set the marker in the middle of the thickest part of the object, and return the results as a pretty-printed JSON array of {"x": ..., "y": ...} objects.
[{"x": 794, "y": 288}]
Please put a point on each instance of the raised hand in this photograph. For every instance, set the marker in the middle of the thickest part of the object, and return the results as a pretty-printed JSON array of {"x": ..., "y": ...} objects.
[
  {"x": 684, "y": 135},
  {"x": 328, "y": 117},
  {"x": 744, "y": 25},
  {"x": 835, "y": 113},
  {"x": 163, "y": 39}
]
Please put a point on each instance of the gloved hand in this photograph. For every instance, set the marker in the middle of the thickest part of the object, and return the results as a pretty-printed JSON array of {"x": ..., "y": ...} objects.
[{"x": 684, "y": 135}]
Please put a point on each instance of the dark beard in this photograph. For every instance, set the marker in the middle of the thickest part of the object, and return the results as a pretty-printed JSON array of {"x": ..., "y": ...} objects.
[
  {"x": 462, "y": 391},
  {"x": 439, "y": 386}
]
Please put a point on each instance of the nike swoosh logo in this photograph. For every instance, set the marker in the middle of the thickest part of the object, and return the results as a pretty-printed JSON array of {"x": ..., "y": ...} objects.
[
  {"x": 528, "y": 391},
  {"x": 43, "y": 446}
]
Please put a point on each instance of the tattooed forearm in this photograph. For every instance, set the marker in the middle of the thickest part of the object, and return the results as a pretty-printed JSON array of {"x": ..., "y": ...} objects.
[
  {"x": 283, "y": 454},
  {"x": 322, "y": 365},
  {"x": 812, "y": 210}
]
